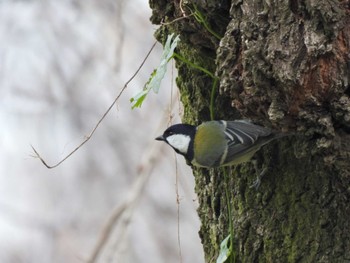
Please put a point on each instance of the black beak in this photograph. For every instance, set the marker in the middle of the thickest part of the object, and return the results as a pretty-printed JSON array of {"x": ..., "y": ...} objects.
[{"x": 160, "y": 138}]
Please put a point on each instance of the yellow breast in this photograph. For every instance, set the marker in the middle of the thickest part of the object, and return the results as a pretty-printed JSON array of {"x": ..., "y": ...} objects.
[{"x": 209, "y": 144}]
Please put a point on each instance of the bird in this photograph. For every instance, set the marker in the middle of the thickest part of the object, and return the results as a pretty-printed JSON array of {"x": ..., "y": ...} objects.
[{"x": 218, "y": 143}]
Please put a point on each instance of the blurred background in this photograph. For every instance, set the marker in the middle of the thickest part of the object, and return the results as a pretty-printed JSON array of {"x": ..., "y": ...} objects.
[{"x": 62, "y": 63}]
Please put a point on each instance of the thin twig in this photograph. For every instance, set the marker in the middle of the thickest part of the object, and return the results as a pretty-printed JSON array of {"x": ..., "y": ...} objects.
[
  {"x": 175, "y": 20},
  {"x": 184, "y": 16},
  {"x": 181, "y": 8},
  {"x": 87, "y": 138},
  {"x": 176, "y": 171},
  {"x": 178, "y": 209}
]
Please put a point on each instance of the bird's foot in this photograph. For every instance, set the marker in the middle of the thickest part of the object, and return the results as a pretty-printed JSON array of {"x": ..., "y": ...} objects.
[{"x": 257, "y": 182}]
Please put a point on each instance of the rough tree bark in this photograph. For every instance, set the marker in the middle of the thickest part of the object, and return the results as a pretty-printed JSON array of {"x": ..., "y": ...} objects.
[{"x": 283, "y": 64}]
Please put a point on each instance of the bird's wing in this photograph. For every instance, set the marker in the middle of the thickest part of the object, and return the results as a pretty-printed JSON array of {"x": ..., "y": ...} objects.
[
  {"x": 241, "y": 137},
  {"x": 244, "y": 132}
]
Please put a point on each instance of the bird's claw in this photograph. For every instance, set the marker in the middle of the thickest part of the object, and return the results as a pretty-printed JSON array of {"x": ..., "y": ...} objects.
[{"x": 257, "y": 182}]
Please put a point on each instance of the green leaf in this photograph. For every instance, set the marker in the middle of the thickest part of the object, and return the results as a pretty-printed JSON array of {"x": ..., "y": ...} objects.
[
  {"x": 225, "y": 250},
  {"x": 138, "y": 99},
  {"x": 158, "y": 74}
]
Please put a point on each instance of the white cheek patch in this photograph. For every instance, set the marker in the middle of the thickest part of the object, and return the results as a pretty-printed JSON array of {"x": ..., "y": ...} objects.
[{"x": 179, "y": 142}]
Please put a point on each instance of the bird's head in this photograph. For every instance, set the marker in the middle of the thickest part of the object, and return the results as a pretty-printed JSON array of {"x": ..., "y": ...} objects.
[{"x": 180, "y": 137}]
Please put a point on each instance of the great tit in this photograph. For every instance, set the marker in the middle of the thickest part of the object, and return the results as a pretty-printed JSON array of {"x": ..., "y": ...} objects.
[{"x": 217, "y": 143}]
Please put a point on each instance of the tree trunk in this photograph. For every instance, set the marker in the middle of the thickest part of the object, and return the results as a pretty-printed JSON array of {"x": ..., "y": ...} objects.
[{"x": 286, "y": 65}]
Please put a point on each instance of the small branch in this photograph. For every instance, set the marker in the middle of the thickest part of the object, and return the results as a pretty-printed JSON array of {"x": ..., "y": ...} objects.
[
  {"x": 175, "y": 20},
  {"x": 37, "y": 155},
  {"x": 178, "y": 208},
  {"x": 181, "y": 8}
]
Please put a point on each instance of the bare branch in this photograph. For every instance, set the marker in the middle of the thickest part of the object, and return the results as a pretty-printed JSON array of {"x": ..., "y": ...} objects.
[
  {"x": 181, "y": 8},
  {"x": 176, "y": 20},
  {"x": 178, "y": 208},
  {"x": 88, "y": 137}
]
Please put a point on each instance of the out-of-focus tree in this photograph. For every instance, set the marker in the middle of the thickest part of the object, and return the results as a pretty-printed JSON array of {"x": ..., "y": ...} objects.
[{"x": 61, "y": 65}]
